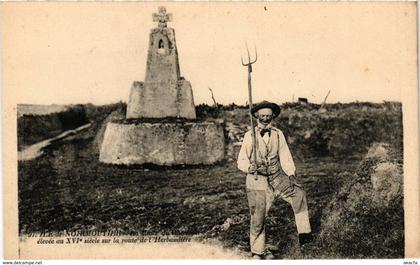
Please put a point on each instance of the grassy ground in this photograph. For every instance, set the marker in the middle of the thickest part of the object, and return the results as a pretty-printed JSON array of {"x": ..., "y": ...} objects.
[{"x": 68, "y": 189}]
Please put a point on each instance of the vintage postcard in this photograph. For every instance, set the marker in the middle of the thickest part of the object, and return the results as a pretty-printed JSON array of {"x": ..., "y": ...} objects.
[{"x": 210, "y": 130}]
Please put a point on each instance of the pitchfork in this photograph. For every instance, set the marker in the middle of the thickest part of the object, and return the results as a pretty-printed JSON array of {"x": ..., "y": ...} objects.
[{"x": 254, "y": 141}]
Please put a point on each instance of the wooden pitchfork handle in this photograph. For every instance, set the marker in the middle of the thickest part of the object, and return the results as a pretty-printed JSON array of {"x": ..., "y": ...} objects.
[{"x": 254, "y": 141}]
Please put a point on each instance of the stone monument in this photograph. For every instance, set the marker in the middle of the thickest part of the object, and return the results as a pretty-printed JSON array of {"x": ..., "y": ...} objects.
[{"x": 160, "y": 126}]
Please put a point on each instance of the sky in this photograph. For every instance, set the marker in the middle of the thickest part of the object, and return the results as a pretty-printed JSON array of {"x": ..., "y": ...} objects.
[{"x": 69, "y": 53}]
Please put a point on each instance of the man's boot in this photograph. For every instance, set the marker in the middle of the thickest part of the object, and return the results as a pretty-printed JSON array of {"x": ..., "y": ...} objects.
[
  {"x": 305, "y": 238},
  {"x": 268, "y": 255}
]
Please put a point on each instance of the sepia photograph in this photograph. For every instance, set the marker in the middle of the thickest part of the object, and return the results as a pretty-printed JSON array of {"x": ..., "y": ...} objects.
[{"x": 210, "y": 130}]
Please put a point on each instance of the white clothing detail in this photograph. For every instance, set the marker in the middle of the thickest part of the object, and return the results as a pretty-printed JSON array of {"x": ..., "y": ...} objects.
[
  {"x": 266, "y": 137},
  {"x": 302, "y": 222},
  {"x": 260, "y": 183}
]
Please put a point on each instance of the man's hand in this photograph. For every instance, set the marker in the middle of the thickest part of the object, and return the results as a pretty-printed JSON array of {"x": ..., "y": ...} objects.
[
  {"x": 261, "y": 169},
  {"x": 273, "y": 169},
  {"x": 294, "y": 182},
  {"x": 252, "y": 168}
]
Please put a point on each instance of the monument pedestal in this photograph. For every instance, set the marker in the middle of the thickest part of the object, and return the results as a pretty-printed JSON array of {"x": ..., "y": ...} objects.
[
  {"x": 161, "y": 100},
  {"x": 165, "y": 144}
]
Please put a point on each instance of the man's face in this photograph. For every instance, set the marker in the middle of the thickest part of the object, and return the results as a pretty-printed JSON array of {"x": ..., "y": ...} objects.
[{"x": 265, "y": 116}]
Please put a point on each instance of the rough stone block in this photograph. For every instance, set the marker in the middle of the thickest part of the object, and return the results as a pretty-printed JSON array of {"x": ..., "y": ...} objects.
[
  {"x": 163, "y": 143},
  {"x": 160, "y": 100},
  {"x": 184, "y": 101},
  {"x": 162, "y": 59}
]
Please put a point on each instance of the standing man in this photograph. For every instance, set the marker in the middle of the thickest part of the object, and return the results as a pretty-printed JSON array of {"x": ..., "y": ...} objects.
[{"x": 272, "y": 176}]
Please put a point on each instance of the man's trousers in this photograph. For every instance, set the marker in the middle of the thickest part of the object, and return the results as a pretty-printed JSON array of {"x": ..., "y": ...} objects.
[{"x": 260, "y": 202}]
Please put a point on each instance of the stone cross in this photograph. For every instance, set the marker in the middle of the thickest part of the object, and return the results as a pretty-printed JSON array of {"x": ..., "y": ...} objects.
[{"x": 162, "y": 17}]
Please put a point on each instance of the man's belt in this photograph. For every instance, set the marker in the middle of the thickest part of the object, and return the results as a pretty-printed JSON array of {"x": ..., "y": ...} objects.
[
  {"x": 267, "y": 171},
  {"x": 270, "y": 168}
]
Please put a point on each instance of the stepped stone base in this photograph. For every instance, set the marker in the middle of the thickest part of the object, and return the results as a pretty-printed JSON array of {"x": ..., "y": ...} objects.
[
  {"x": 161, "y": 99},
  {"x": 165, "y": 144}
]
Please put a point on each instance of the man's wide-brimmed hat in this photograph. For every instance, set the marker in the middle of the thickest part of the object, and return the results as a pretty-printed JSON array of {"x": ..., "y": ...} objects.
[{"x": 264, "y": 105}]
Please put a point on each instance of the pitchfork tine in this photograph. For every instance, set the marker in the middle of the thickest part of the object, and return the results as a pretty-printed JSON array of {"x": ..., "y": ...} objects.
[
  {"x": 249, "y": 56},
  {"x": 247, "y": 52}
]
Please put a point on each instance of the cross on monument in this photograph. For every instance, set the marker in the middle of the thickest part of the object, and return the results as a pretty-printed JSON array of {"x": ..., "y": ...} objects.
[{"x": 162, "y": 17}]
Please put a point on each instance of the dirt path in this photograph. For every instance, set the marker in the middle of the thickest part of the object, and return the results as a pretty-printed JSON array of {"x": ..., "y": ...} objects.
[
  {"x": 36, "y": 150},
  {"x": 186, "y": 250}
]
